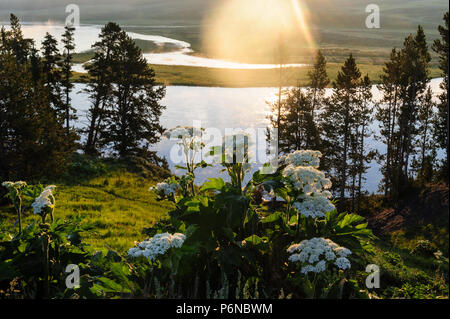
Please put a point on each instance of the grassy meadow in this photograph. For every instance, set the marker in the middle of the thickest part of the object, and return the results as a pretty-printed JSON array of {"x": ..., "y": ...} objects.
[
  {"x": 117, "y": 204},
  {"x": 211, "y": 77}
]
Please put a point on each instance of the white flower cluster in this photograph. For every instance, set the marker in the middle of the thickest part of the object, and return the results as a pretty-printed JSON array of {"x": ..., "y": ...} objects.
[
  {"x": 314, "y": 205},
  {"x": 157, "y": 245},
  {"x": 165, "y": 188},
  {"x": 45, "y": 199},
  {"x": 302, "y": 173},
  {"x": 14, "y": 185},
  {"x": 307, "y": 178},
  {"x": 314, "y": 254},
  {"x": 303, "y": 158}
]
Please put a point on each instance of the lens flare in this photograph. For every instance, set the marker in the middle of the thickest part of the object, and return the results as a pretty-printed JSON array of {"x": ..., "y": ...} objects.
[
  {"x": 299, "y": 10},
  {"x": 253, "y": 31}
]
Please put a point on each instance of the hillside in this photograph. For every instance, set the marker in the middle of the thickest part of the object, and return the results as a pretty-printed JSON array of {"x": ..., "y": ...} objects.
[
  {"x": 110, "y": 195},
  {"x": 416, "y": 210},
  {"x": 113, "y": 197}
]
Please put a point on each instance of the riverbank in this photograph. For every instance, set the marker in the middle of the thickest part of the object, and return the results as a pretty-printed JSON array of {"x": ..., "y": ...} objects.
[{"x": 171, "y": 75}]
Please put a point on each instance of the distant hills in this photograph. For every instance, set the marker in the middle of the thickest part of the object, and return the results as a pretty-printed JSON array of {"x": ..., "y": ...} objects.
[{"x": 337, "y": 26}]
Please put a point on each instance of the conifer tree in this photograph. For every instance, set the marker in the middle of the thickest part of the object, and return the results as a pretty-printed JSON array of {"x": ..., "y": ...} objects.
[
  {"x": 318, "y": 81},
  {"x": 296, "y": 128},
  {"x": 66, "y": 70},
  {"x": 413, "y": 82},
  {"x": 52, "y": 75},
  {"x": 401, "y": 111},
  {"x": 387, "y": 112},
  {"x": 440, "y": 46},
  {"x": 364, "y": 155},
  {"x": 33, "y": 143},
  {"x": 133, "y": 120},
  {"x": 100, "y": 84},
  {"x": 125, "y": 107},
  {"x": 425, "y": 158},
  {"x": 338, "y": 121}
]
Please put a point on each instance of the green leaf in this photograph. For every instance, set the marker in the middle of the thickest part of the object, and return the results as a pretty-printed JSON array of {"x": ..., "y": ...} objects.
[
  {"x": 213, "y": 184},
  {"x": 255, "y": 240},
  {"x": 109, "y": 285},
  {"x": 350, "y": 219},
  {"x": 271, "y": 218}
]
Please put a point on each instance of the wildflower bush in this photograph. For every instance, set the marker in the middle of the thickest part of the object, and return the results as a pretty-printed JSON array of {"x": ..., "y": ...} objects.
[
  {"x": 34, "y": 258},
  {"x": 278, "y": 235}
]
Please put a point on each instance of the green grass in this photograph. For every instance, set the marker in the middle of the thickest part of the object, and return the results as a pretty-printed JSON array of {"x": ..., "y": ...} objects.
[
  {"x": 83, "y": 57},
  {"x": 211, "y": 77},
  {"x": 146, "y": 47},
  {"x": 407, "y": 275},
  {"x": 118, "y": 205}
]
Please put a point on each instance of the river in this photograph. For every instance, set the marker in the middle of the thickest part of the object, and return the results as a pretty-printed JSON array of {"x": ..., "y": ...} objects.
[{"x": 223, "y": 108}]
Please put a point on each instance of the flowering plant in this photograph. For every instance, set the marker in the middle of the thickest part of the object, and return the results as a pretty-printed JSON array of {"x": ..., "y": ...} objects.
[
  {"x": 45, "y": 203},
  {"x": 157, "y": 245},
  {"x": 15, "y": 195},
  {"x": 231, "y": 230}
]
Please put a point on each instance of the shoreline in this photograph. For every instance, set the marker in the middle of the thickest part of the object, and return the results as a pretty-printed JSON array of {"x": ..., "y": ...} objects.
[{"x": 172, "y": 75}]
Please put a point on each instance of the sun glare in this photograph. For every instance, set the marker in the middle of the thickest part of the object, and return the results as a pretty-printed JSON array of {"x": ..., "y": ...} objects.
[
  {"x": 251, "y": 30},
  {"x": 302, "y": 21}
]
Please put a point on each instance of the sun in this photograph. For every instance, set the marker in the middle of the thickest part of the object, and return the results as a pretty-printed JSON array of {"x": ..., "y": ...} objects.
[{"x": 252, "y": 29}]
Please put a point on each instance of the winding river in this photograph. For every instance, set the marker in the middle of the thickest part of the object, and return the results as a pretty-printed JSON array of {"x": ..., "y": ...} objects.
[{"x": 86, "y": 35}]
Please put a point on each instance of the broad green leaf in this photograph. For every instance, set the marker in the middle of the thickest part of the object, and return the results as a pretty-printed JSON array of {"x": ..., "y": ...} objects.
[
  {"x": 271, "y": 218},
  {"x": 213, "y": 184}
]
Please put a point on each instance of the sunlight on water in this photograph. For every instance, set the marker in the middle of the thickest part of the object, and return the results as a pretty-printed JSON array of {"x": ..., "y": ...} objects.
[
  {"x": 230, "y": 108},
  {"x": 86, "y": 35}
]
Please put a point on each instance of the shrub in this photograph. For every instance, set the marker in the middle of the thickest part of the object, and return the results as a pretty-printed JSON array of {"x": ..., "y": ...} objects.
[
  {"x": 424, "y": 248},
  {"x": 233, "y": 240}
]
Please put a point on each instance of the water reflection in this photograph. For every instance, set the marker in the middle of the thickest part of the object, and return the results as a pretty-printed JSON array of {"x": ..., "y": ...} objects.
[{"x": 230, "y": 108}]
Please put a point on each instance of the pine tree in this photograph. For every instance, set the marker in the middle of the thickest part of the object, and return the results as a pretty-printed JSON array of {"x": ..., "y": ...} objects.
[
  {"x": 296, "y": 130},
  {"x": 52, "y": 75},
  {"x": 66, "y": 68},
  {"x": 426, "y": 151},
  {"x": 360, "y": 154},
  {"x": 387, "y": 112},
  {"x": 125, "y": 107},
  {"x": 337, "y": 124},
  {"x": 133, "y": 121},
  {"x": 318, "y": 81},
  {"x": 413, "y": 82},
  {"x": 294, "y": 114},
  {"x": 33, "y": 143},
  {"x": 400, "y": 112},
  {"x": 100, "y": 84},
  {"x": 364, "y": 116},
  {"x": 18, "y": 46},
  {"x": 440, "y": 46}
]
